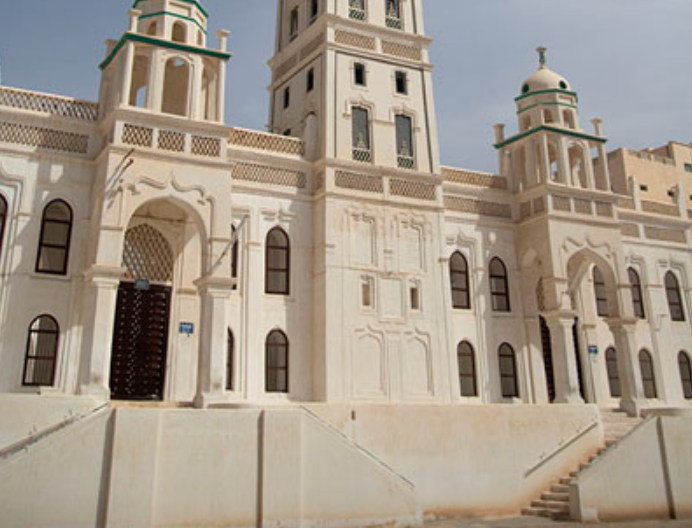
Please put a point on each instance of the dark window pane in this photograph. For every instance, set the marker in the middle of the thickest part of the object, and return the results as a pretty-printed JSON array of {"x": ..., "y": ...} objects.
[
  {"x": 361, "y": 129},
  {"x": 499, "y": 286},
  {"x": 41, "y": 352}
]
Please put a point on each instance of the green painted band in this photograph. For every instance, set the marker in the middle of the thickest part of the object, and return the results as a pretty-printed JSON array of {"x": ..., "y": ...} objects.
[
  {"x": 546, "y": 104},
  {"x": 162, "y": 13},
  {"x": 193, "y": 2},
  {"x": 545, "y": 128},
  {"x": 134, "y": 37},
  {"x": 539, "y": 92}
]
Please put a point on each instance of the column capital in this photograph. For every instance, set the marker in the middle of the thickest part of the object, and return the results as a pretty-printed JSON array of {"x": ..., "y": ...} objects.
[{"x": 623, "y": 324}]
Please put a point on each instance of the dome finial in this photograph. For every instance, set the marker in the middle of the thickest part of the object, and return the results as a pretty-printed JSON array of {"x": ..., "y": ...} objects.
[{"x": 542, "y": 50}]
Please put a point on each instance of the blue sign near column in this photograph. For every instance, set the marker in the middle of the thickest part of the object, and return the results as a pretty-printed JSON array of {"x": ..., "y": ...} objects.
[
  {"x": 187, "y": 328},
  {"x": 593, "y": 350}
]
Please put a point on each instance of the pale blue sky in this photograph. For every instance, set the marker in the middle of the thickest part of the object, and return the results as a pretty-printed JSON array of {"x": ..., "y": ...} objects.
[{"x": 628, "y": 59}]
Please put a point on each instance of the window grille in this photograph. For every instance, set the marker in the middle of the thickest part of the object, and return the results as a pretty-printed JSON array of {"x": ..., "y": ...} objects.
[
  {"x": 677, "y": 310},
  {"x": 361, "y": 136},
  {"x": 356, "y": 10},
  {"x": 404, "y": 143},
  {"x": 393, "y": 19},
  {"x": 147, "y": 255}
]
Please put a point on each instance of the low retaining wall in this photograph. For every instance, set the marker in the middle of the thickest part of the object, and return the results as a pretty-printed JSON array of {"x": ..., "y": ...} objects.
[{"x": 647, "y": 475}]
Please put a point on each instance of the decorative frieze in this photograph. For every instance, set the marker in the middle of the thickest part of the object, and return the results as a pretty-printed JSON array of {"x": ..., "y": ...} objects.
[
  {"x": 268, "y": 142},
  {"x": 477, "y": 179},
  {"x": 359, "y": 182},
  {"x": 49, "y": 104},
  {"x": 478, "y": 207},
  {"x": 412, "y": 189},
  {"x": 354, "y": 40},
  {"x": 264, "y": 174},
  {"x": 46, "y": 138}
]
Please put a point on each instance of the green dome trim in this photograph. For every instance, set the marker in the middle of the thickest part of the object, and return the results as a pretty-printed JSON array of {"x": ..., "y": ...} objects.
[
  {"x": 539, "y": 92},
  {"x": 193, "y": 2}
]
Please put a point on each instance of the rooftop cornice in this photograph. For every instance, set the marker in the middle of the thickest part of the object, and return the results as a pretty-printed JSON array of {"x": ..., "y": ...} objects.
[{"x": 556, "y": 130}]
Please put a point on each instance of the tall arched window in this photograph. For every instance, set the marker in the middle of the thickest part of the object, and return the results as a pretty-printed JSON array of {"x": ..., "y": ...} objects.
[
  {"x": 278, "y": 263},
  {"x": 234, "y": 259},
  {"x": 41, "y": 352},
  {"x": 508, "y": 372},
  {"x": 637, "y": 296},
  {"x": 230, "y": 360},
  {"x": 466, "y": 359},
  {"x": 646, "y": 364},
  {"x": 685, "y": 374},
  {"x": 613, "y": 374},
  {"x": 3, "y": 220},
  {"x": 499, "y": 286},
  {"x": 54, "y": 241},
  {"x": 277, "y": 362},
  {"x": 459, "y": 275},
  {"x": 677, "y": 311},
  {"x": 601, "y": 293}
]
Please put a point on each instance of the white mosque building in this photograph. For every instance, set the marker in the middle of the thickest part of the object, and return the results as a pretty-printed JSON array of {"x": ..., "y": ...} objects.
[{"x": 163, "y": 272}]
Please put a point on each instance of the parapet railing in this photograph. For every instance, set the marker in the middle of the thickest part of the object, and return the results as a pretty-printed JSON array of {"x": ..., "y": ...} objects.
[
  {"x": 48, "y": 104},
  {"x": 254, "y": 139}
]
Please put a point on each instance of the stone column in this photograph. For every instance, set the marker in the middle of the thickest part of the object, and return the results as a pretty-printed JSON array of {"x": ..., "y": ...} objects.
[
  {"x": 99, "y": 304},
  {"x": 544, "y": 162},
  {"x": 564, "y": 170},
  {"x": 155, "y": 83},
  {"x": 221, "y": 80},
  {"x": 127, "y": 65},
  {"x": 564, "y": 358},
  {"x": 215, "y": 293},
  {"x": 633, "y": 399}
]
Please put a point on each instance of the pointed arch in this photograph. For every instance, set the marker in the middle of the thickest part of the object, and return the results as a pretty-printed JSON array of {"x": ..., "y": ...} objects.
[
  {"x": 646, "y": 365},
  {"x": 176, "y": 87},
  {"x": 675, "y": 303},
  {"x": 637, "y": 294},
  {"x": 685, "y": 365},
  {"x": 508, "y": 371},
  {"x": 179, "y": 33}
]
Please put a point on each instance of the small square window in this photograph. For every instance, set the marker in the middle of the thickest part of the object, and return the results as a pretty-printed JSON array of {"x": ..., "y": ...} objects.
[
  {"x": 644, "y": 188},
  {"x": 287, "y": 97},
  {"x": 359, "y": 74},
  {"x": 688, "y": 167},
  {"x": 287, "y": 132},
  {"x": 671, "y": 193},
  {"x": 401, "y": 83},
  {"x": 366, "y": 293}
]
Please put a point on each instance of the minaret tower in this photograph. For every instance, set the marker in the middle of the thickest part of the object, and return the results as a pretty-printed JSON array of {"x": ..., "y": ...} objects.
[
  {"x": 353, "y": 78},
  {"x": 162, "y": 63}
]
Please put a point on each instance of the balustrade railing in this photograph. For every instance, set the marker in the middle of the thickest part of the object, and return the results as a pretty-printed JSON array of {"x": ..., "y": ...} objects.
[
  {"x": 48, "y": 104},
  {"x": 406, "y": 162},
  {"x": 362, "y": 155}
]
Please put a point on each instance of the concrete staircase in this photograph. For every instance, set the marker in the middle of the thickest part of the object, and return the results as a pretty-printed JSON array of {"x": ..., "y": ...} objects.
[{"x": 554, "y": 503}]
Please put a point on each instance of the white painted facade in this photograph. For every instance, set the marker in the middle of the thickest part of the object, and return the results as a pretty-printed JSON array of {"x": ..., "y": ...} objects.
[{"x": 373, "y": 222}]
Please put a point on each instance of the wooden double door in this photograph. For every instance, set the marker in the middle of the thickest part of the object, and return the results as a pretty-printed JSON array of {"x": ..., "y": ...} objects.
[{"x": 140, "y": 342}]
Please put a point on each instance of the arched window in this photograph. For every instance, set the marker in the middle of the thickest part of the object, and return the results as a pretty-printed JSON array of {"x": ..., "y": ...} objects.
[
  {"x": 179, "y": 33},
  {"x": 41, "y": 352},
  {"x": 499, "y": 286},
  {"x": 646, "y": 365},
  {"x": 277, "y": 362},
  {"x": 685, "y": 374},
  {"x": 601, "y": 293},
  {"x": 393, "y": 10},
  {"x": 175, "y": 99},
  {"x": 466, "y": 359},
  {"x": 278, "y": 264},
  {"x": 459, "y": 274},
  {"x": 54, "y": 241},
  {"x": 153, "y": 29},
  {"x": 677, "y": 311},
  {"x": 637, "y": 296},
  {"x": 230, "y": 360},
  {"x": 613, "y": 374},
  {"x": 508, "y": 372},
  {"x": 3, "y": 220}
]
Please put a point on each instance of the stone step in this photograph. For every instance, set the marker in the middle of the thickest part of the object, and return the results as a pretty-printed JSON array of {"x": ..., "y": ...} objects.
[
  {"x": 559, "y": 488},
  {"x": 566, "y": 480},
  {"x": 553, "y": 506},
  {"x": 554, "y": 496},
  {"x": 536, "y": 512}
]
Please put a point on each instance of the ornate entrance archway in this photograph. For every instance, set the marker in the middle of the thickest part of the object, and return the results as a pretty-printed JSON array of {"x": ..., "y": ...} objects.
[{"x": 140, "y": 337}]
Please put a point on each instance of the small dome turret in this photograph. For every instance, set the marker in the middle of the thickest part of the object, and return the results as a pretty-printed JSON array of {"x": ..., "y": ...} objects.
[{"x": 544, "y": 78}]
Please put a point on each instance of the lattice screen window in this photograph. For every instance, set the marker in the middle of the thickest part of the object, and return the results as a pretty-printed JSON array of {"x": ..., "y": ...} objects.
[{"x": 147, "y": 255}]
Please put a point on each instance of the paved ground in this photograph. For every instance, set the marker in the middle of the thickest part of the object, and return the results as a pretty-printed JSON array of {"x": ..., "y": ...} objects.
[{"x": 530, "y": 522}]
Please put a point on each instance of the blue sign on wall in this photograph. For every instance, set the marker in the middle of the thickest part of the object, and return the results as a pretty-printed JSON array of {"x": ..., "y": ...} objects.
[
  {"x": 187, "y": 328},
  {"x": 593, "y": 350}
]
